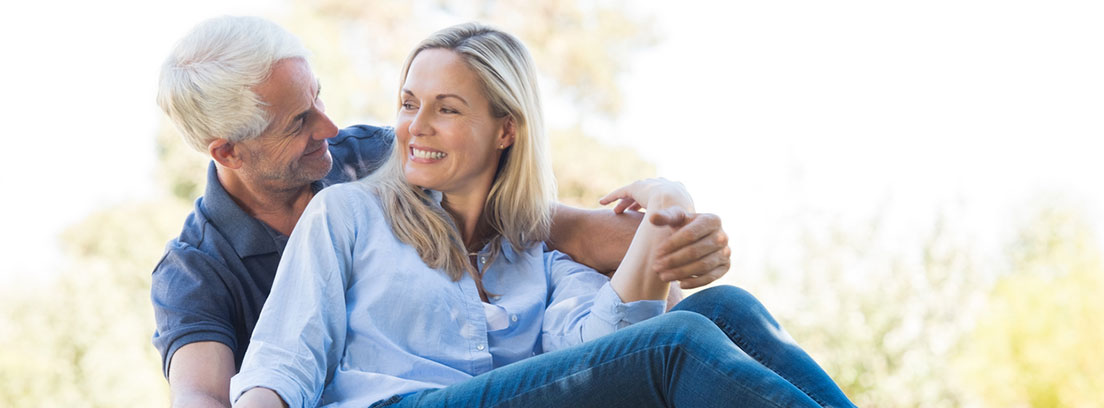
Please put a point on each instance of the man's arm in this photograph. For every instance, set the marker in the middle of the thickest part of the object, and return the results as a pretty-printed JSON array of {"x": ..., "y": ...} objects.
[
  {"x": 595, "y": 238},
  {"x": 199, "y": 375},
  {"x": 695, "y": 255}
]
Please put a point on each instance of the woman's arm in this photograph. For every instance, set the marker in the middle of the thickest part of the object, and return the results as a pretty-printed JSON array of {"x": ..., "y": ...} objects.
[
  {"x": 595, "y": 238},
  {"x": 300, "y": 334},
  {"x": 637, "y": 278}
]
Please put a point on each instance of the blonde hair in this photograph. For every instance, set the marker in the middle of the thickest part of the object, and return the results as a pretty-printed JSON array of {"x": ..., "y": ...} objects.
[
  {"x": 519, "y": 205},
  {"x": 206, "y": 83}
]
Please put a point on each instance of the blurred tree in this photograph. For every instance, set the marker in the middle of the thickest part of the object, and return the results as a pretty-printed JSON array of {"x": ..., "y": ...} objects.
[
  {"x": 84, "y": 340},
  {"x": 586, "y": 169},
  {"x": 1039, "y": 344},
  {"x": 882, "y": 316}
]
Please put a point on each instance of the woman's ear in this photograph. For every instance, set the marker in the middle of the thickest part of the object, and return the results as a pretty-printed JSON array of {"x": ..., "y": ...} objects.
[
  {"x": 225, "y": 153},
  {"x": 509, "y": 133}
]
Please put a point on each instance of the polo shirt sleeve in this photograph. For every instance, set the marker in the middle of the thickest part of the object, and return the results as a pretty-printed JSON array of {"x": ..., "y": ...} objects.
[
  {"x": 583, "y": 306},
  {"x": 191, "y": 302}
]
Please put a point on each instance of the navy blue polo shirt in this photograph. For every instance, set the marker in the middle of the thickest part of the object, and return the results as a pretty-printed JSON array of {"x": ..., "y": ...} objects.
[{"x": 214, "y": 278}]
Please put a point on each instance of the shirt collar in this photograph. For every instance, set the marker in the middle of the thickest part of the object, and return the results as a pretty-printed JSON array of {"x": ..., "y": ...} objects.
[{"x": 249, "y": 236}]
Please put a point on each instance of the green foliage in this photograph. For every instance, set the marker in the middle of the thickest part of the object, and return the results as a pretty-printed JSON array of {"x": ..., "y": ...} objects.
[
  {"x": 881, "y": 315},
  {"x": 582, "y": 47},
  {"x": 182, "y": 170},
  {"x": 587, "y": 170},
  {"x": 84, "y": 339},
  {"x": 1039, "y": 342}
]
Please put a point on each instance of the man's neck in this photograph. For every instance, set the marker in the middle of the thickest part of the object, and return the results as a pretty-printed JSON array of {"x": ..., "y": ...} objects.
[{"x": 279, "y": 209}]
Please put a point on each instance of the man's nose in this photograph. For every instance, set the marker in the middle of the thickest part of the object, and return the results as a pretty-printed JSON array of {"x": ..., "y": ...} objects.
[{"x": 326, "y": 128}]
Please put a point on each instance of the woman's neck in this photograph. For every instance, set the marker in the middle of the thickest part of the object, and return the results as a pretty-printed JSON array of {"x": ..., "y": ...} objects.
[{"x": 467, "y": 211}]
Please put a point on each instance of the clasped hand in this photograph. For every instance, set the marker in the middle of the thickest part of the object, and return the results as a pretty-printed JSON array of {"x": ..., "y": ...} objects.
[{"x": 697, "y": 253}]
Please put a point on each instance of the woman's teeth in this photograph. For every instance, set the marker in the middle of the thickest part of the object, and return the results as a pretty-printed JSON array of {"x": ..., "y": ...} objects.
[{"x": 422, "y": 154}]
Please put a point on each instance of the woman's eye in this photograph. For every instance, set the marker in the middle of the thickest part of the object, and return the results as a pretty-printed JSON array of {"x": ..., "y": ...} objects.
[
  {"x": 408, "y": 106},
  {"x": 447, "y": 110}
]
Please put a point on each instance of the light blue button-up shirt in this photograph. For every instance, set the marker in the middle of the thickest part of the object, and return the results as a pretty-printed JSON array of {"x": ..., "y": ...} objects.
[{"x": 355, "y": 316}]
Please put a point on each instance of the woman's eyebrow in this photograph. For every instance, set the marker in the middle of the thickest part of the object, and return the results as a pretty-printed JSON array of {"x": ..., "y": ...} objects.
[{"x": 443, "y": 96}]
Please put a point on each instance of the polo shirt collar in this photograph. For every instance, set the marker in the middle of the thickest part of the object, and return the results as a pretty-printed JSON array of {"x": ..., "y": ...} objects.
[{"x": 249, "y": 236}]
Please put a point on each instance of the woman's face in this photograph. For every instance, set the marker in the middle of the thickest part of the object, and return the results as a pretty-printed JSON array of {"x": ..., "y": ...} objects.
[{"x": 450, "y": 137}]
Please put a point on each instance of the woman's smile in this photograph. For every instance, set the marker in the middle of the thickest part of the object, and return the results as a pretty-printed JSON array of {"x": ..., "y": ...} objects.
[{"x": 426, "y": 155}]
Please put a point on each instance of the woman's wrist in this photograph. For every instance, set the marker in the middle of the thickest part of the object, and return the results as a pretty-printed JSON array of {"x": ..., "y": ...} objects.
[{"x": 668, "y": 197}]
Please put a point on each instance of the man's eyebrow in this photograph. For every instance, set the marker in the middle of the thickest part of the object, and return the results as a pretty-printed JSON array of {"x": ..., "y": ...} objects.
[
  {"x": 303, "y": 115},
  {"x": 295, "y": 120}
]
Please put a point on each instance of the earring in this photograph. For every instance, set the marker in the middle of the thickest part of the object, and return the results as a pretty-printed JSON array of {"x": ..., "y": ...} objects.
[{"x": 500, "y": 147}]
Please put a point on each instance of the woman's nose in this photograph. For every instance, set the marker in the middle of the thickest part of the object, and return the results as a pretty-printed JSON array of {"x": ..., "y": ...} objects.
[{"x": 419, "y": 125}]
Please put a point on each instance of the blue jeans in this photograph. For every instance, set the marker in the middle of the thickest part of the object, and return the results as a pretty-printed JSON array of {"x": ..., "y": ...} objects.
[{"x": 717, "y": 348}]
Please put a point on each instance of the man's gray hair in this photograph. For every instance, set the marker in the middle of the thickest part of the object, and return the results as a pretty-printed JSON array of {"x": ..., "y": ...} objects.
[{"x": 206, "y": 84}]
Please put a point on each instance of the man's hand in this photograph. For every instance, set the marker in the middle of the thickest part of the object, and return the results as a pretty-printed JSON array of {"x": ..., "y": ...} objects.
[{"x": 696, "y": 254}]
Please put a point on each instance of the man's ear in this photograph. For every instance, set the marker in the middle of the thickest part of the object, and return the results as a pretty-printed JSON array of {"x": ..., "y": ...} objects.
[
  {"x": 225, "y": 153},
  {"x": 509, "y": 132}
]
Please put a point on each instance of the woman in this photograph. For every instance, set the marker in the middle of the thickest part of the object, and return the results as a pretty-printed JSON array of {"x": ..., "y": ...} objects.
[{"x": 427, "y": 285}]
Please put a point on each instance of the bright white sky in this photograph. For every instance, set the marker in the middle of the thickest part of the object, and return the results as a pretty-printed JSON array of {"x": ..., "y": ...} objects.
[{"x": 762, "y": 108}]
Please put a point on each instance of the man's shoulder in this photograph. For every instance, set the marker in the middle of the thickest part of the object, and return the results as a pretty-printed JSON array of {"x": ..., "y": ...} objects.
[
  {"x": 359, "y": 133},
  {"x": 358, "y": 151},
  {"x": 198, "y": 247}
]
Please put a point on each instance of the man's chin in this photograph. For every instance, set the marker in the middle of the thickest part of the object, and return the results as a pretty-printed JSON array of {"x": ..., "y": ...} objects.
[{"x": 318, "y": 169}]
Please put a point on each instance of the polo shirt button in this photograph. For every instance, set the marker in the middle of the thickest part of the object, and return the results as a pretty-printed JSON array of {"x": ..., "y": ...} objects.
[
  {"x": 480, "y": 347},
  {"x": 513, "y": 318}
]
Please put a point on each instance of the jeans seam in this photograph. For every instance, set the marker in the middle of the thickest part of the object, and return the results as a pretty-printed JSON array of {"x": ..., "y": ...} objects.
[
  {"x": 535, "y": 389},
  {"x": 753, "y": 392},
  {"x": 742, "y": 344}
]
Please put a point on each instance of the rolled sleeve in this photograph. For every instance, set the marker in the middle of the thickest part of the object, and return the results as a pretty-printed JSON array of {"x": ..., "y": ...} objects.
[
  {"x": 582, "y": 306},
  {"x": 609, "y": 309}
]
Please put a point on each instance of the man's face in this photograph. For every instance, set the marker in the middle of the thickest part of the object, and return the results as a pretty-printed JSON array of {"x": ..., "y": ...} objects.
[{"x": 292, "y": 152}]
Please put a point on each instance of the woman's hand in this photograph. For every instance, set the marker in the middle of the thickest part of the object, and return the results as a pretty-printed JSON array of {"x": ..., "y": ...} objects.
[
  {"x": 636, "y": 277},
  {"x": 651, "y": 194}
]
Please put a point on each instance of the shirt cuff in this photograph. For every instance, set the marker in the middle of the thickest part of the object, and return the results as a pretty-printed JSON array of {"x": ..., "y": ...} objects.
[
  {"x": 242, "y": 382},
  {"x": 609, "y": 308}
]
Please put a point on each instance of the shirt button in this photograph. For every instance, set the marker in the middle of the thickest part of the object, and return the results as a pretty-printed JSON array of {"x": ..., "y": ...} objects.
[
  {"x": 480, "y": 347},
  {"x": 482, "y": 259},
  {"x": 513, "y": 318}
]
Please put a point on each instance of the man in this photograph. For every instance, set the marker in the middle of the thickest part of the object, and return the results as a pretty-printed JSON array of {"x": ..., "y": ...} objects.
[{"x": 240, "y": 90}]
